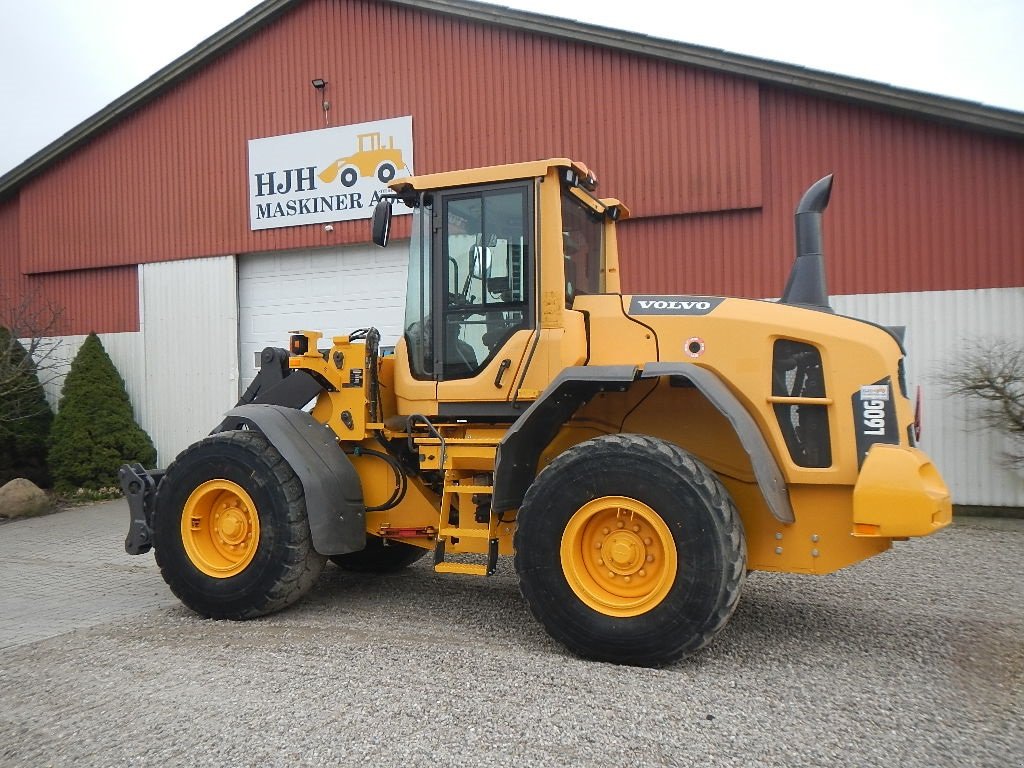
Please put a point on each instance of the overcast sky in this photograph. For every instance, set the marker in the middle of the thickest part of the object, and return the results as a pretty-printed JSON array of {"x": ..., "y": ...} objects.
[{"x": 63, "y": 60}]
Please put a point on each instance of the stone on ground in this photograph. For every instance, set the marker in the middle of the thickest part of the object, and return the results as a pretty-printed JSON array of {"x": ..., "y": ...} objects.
[{"x": 22, "y": 498}]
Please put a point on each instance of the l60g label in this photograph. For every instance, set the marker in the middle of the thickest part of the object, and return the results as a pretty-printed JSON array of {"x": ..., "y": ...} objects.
[{"x": 874, "y": 417}]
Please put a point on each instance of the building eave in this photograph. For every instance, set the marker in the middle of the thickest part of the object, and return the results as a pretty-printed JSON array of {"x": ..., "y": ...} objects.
[
  {"x": 953, "y": 111},
  {"x": 957, "y": 111},
  {"x": 179, "y": 69}
]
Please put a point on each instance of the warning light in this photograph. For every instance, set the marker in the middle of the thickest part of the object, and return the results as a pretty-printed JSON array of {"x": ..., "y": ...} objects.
[{"x": 299, "y": 344}]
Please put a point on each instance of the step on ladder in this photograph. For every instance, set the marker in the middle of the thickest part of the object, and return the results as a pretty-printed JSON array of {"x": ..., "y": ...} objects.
[{"x": 461, "y": 497}]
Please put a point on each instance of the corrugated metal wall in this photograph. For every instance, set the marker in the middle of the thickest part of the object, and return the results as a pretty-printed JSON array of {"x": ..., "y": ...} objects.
[
  {"x": 181, "y": 368},
  {"x": 101, "y": 300},
  {"x": 711, "y": 164},
  {"x": 170, "y": 181},
  {"x": 916, "y": 206},
  {"x": 941, "y": 325},
  {"x": 191, "y": 349}
]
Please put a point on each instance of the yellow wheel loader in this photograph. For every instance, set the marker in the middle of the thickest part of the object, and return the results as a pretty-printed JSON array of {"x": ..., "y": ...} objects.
[{"x": 636, "y": 455}]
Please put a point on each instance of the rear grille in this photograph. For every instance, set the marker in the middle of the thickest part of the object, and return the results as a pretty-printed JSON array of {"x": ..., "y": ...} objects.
[{"x": 797, "y": 374}]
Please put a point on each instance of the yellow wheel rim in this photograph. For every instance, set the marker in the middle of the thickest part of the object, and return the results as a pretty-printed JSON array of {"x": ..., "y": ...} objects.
[
  {"x": 618, "y": 556},
  {"x": 220, "y": 528}
]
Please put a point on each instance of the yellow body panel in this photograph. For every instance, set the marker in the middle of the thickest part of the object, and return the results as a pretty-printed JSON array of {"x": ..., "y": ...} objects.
[
  {"x": 844, "y": 512},
  {"x": 899, "y": 493}
]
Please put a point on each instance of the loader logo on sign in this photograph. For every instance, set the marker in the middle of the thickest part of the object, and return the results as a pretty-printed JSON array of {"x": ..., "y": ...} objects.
[
  {"x": 372, "y": 159},
  {"x": 334, "y": 174}
]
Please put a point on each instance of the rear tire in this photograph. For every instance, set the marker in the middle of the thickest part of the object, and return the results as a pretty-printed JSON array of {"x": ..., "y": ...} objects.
[
  {"x": 629, "y": 550},
  {"x": 230, "y": 530},
  {"x": 378, "y": 557}
]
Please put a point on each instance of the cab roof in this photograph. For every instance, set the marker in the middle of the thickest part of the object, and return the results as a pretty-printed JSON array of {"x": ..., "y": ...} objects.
[{"x": 496, "y": 173}]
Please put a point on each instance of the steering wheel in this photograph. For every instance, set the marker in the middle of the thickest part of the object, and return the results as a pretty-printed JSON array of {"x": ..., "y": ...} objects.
[{"x": 458, "y": 300}]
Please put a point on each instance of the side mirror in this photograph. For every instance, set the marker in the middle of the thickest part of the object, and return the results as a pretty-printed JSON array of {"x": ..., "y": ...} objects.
[
  {"x": 381, "y": 223},
  {"x": 480, "y": 262}
]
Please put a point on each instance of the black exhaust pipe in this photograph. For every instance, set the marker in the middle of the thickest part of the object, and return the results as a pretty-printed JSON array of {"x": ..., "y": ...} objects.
[{"x": 806, "y": 285}]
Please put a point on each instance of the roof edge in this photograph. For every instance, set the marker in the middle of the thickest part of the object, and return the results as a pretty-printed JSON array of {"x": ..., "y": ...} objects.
[
  {"x": 179, "y": 69},
  {"x": 946, "y": 109}
]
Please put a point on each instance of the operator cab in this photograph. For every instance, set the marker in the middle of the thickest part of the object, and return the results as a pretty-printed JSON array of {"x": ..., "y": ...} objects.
[{"x": 485, "y": 246}]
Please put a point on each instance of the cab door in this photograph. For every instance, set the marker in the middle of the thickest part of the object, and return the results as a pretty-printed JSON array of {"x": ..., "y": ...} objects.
[{"x": 484, "y": 256}]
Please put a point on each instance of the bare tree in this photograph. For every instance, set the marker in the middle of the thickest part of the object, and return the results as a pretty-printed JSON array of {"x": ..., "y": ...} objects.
[
  {"x": 28, "y": 352},
  {"x": 992, "y": 375}
]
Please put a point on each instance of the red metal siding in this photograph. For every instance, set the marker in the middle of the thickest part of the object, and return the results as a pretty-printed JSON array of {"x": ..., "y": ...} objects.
[
  {"x": 711, "y": 164},
  {"x": 917, "y": 206},
  {"x": 101, "y": 300},
  {"x": 170, "y": 181},
  {"x": 10, "y": 249}
]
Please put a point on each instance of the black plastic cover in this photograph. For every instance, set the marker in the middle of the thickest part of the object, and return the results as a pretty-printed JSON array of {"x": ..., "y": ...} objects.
[{"x": 334, "y": 494}]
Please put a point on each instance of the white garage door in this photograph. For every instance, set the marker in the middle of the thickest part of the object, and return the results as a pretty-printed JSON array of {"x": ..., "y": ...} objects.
[{"x": 333, "y": 290}]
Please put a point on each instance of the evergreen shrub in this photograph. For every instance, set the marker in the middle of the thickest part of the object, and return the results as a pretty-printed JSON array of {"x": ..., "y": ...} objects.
[
  {"x": 95, "y": 432},
  {"x": 25, "y": 416}
]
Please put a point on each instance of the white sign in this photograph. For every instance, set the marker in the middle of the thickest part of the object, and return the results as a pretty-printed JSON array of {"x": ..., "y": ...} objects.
[{"x": 334, "y": 174}]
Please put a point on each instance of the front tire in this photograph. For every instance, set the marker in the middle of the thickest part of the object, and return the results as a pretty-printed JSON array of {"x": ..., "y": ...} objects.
[
  {"x": 629, "y": 550},
  {"x": 230, "y": 530}
]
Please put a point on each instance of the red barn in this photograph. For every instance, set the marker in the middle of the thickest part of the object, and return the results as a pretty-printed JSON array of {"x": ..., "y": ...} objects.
[{"x": 142, "y": 224}]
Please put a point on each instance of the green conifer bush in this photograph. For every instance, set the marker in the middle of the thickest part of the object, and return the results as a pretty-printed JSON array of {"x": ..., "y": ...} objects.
[
  {"x": 25, "y": 416},
  {"x": 95, "y": 431}
]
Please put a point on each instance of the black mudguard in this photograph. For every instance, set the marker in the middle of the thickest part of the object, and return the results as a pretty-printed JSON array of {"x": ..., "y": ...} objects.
[
  {"x": 519, "y": 451},
  {"x": 515, "y": 465},
  {"x": 334, "y": 494},
  {"x": 769, "y": 477}
]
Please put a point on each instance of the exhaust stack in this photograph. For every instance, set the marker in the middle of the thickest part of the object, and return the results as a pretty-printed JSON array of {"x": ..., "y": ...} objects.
[{"x": 806, "y": 285}]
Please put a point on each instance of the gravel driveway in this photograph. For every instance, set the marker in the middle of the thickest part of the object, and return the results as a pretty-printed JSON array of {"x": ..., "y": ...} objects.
[{"x": 915, "y": 658}]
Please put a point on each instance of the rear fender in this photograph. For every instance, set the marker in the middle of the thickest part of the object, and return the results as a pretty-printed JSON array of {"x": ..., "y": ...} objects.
[
  {"x": 515, "y": 465},
  {"x": 521, "y": 448},
  {"x": 769, "y": 477},
  {"x": 334, "y": 494}
]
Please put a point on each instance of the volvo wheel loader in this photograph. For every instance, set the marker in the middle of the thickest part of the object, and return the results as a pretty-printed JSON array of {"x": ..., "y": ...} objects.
[{"x": 636, "y": 455}]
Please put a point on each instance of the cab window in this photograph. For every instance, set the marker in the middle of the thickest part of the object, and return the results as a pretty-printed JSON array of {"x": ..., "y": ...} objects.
[
  {"x": 582, "y": 247},
  {"x": 485, "y": 250}
]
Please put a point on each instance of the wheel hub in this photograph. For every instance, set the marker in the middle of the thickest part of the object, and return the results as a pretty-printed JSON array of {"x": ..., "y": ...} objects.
[
  {"x": 220, "y": 528},
  {"x": 625, "y": 552},
  {"x": 618, "y": 556},
  {"x": 230, "y": 525}
]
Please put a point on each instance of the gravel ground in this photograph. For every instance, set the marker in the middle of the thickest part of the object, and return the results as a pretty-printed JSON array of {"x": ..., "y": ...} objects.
[{"x": 914, "y": 658}]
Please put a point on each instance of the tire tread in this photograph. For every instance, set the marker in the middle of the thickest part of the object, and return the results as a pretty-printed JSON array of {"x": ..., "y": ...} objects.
[
  {"x": 302, "y": 565},
  {"x": 685, "y": 468}
]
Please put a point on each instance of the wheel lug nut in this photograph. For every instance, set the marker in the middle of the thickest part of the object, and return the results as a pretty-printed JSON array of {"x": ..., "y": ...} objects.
[
  {"x": 641, "y": 572},
  {"x": 611, "y": 574},
  {"x": 620, "y": 524},
  {"x": 605, "y": 531},
  {"x": 600, "y": 561},
  {"x": 626, "y": 579},
  {"x": 650, "y": 558},
  {"x": 648, "y": 541},
  {"x": 598, "y": 545},
  {"x": 636, "y": 529}
]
